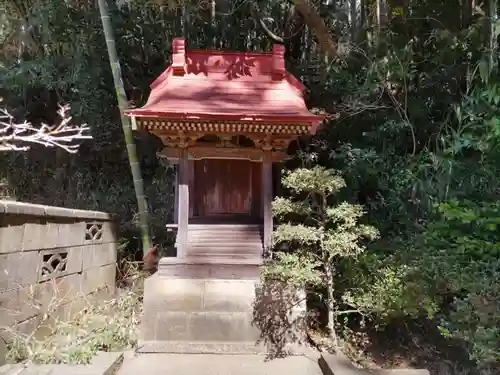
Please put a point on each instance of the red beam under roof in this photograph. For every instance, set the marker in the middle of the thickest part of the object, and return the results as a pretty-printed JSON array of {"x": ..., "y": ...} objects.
[{"x": 224, "y": 85}]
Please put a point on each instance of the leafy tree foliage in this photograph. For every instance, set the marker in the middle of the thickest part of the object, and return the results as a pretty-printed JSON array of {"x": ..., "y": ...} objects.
[{"x": 318, "y": 232}]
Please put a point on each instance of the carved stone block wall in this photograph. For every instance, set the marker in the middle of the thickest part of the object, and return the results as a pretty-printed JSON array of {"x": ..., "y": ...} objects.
[{"x": 52, "y": 260}]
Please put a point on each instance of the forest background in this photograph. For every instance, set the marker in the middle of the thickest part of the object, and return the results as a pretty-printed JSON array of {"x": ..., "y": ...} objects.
[{"x": 412, "y": 87}]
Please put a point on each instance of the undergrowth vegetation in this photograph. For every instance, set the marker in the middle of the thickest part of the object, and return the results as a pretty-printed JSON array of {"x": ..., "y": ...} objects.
[
  {"x": 74, "y": 332},
  {"x": 110, "y": 325}
]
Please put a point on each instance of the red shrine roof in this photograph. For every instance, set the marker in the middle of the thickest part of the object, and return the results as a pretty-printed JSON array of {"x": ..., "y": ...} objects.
[{"x": 224, "y": 85}]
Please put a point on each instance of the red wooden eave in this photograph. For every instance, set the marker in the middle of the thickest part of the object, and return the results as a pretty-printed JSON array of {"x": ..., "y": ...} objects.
[{"x": 222, "y": 85}]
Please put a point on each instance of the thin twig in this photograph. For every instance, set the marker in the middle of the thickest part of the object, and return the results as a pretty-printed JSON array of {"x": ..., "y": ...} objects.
[{"x": 19, "y": 136}]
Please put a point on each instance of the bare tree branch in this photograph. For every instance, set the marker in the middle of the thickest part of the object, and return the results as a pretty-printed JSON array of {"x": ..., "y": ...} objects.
[
  {"x": 18, "y": 137},
  {"x": 328, "y": 43},
  {"x": 259, "y": 20}
]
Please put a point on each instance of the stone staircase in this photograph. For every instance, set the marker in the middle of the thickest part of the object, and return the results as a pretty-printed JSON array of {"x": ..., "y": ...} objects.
[{"x": 203, "y": 303}]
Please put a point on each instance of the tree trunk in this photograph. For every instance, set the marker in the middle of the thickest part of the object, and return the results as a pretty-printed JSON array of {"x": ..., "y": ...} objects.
[
  {"x": 328, "y": 44},
  {"x": 294, "y": 33},
  {"x": 213, "y": 25},
  {"x": 127, "y": 129},
  {"x": 353, "y": 19},
  {"x": 329, "y": 304},
  {"x": 382, "y": 18},
  {"x": 466, "y": 13},
  {"x": 328, "y": 273},
  {"x": 363, "y": 22},
  {"x": 492, "y": 17}
]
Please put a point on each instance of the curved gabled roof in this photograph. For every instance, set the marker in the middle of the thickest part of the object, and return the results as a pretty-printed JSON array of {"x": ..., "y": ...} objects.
[{"x": 227, "y": 86}]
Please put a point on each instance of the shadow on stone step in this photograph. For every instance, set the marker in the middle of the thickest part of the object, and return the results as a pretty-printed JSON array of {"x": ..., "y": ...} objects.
[{"x": 280, "y": 315}]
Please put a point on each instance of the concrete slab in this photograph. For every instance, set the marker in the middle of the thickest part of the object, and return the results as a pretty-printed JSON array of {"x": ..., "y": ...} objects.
[
  {"x": 221, "y": 348},
  {"x": 218, "y": 364},
  {"x": 102, "y": 364},
  {"x": 339, "y": 364}
]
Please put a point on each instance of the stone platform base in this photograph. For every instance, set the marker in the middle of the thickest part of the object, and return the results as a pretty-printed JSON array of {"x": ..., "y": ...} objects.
[
  {"x": 214, "y": 315},
  {"x": 208, "y": 267}
]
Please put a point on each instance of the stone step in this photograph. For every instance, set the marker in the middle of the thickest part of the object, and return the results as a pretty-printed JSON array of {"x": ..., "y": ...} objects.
[
  {"x": 215, "y": 362},
  {"x": 218, "y": 347},
  {"x": 198, "y": 310},
  {"x": 202, "y": 326},
  {"x": 333, "y": 364},
  {"x": 205, "y": 315},
  {"x": 208, "y": 347},
  {"x": 198, "y": 295},
  {"x": 199, "y": 267}
]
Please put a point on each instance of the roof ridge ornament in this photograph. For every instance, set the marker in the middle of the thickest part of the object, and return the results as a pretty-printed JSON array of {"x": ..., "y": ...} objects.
[
  {"x": 279, "y": 60},
  {"x": 178, "y": 56}
]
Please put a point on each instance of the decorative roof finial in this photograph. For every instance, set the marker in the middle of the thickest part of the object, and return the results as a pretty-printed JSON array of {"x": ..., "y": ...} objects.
[
  {"x": 279, "y": 59},
  {"x": 178, "y": 56}
]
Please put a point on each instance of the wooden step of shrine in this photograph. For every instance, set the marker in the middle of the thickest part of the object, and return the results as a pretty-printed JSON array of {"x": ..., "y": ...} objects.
[
  {"x": 218, "y": 253},
  {"x": 225, "y": 235},
  {"x": 225, "y": 238},
  {"x": 227, "y": 229},
  {"x": 237, "y": 226},
  {"x": 226, "y": 247},
  {"x": 247, "y": 232},
  {"x": 225, "y": 242}
]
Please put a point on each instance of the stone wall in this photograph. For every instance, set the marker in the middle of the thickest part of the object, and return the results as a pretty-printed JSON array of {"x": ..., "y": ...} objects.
[{"x": 52, "y": 261}]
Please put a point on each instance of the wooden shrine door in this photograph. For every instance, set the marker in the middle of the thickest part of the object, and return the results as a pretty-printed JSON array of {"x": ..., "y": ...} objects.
[{"x": 222, "y": 187}]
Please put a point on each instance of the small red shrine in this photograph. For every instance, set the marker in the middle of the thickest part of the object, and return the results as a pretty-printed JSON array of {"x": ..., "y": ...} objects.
[{"x": 225, "y": 118}]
